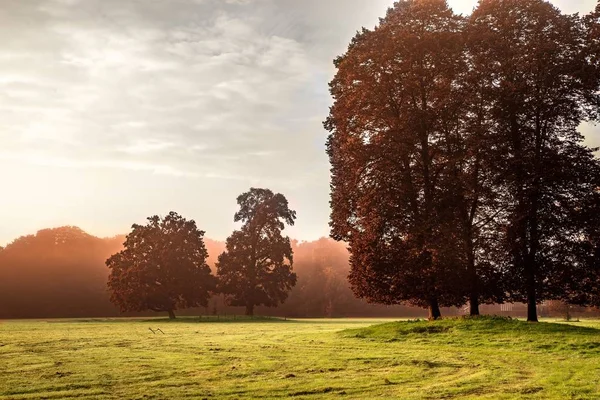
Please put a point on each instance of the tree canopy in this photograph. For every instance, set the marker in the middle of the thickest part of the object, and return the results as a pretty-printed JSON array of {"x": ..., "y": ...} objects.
[
  {"x": 256, "y": 267},
  {"x": 458, "y": 173},
  {"x": 392, "y": 127},
  {"x": 543, "y": 88},
  {"x": 162, "y": 267}
]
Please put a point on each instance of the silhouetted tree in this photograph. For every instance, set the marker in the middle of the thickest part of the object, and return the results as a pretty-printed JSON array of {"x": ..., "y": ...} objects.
[
  {"x": 543, "y": 85},
  {"x": 591, "y": 23},
  {"x": 162, "y": 268},
  {"x": 456, "y": 161},
  {"x": 476, "y": 197},
  {"x": 256, "y": 267},
  {"x": 398, "y": 99}
]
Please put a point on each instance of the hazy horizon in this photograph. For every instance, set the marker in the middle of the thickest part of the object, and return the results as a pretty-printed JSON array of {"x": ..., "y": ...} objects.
[{"x": 114, "y": 111}]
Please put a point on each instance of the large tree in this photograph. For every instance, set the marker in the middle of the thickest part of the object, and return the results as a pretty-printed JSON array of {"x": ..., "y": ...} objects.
[
  {"x": 162, "y": 268},
  {"x": 542, "y": 85},
  {"x": 472, "y": 186},
  {"x": 397, "y": 112},
  {"x": 256, "y": 267}
]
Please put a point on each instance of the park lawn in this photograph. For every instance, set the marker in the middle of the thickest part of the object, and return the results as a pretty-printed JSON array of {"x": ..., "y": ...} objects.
[{"x": 303, "y": 359}]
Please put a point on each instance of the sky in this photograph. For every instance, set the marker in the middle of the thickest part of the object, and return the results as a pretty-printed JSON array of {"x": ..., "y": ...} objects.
[{"x": 115, "y": 110}]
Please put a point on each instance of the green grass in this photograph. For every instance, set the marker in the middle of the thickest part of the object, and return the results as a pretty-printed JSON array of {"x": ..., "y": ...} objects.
[{"x": 486, "y": 358}]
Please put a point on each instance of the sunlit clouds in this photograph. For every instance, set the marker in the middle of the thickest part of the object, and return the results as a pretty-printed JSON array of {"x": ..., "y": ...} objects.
[{"x": 115, "y": 110}]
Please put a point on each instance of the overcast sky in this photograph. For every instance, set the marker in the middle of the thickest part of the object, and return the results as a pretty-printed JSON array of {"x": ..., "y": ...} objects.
[{"x": 114, "y": 110}]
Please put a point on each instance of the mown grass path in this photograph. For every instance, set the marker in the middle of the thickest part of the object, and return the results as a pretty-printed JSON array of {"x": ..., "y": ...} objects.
[{"x": 306, "y": 359}]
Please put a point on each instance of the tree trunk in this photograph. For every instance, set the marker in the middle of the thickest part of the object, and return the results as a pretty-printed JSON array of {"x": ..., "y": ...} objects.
[
  {"x": 531, "y": 309},
  {"x": 530, "y": 282},
  {"x": 525, "y": 217},
  {"x": 474, "y": 297},
  {"x": 474, "y": 305},
  {"x": 434, "y": 310},
  {"x": 531, "y": 295},
  {"x": 250, "y": 309},
  {"x": 530, "y": 263},
  {"x": 171, "y": 314}
]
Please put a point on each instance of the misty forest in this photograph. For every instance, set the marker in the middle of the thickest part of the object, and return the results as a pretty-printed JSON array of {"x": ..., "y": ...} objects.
[{"x": 464, "y": 251}]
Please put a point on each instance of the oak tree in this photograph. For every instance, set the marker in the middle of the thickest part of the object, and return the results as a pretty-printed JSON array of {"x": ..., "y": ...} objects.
[{"x": 162, "y": 267}]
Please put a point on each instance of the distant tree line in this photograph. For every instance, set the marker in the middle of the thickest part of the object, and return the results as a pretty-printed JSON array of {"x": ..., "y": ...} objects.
[
  {"x": 57, "y": 272},
  {"x": 61, "y": 272},
  {"x": 168, "y": 265},
  {"x": 458, "y": 173}
]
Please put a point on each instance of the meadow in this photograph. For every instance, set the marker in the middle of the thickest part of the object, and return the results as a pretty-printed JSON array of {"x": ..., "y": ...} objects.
[{"x": 487, "y": 358}]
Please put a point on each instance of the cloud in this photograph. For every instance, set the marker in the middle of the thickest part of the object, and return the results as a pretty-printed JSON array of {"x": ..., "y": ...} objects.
[
  {"x": 208, "y": 91},
  {"x": 46, "y": 160},
  {"x": 146, "y": 85}
]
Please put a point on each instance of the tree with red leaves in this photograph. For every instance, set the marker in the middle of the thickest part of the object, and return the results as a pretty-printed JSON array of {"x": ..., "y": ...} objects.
[
  {"x": 458, "y": 173},
  {"x": 544, "y": 84},
  {"x": 397, "y": 109}
]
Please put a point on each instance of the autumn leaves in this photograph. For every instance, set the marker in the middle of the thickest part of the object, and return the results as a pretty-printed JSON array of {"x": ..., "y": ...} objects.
[{"x": 458, "y": 173}]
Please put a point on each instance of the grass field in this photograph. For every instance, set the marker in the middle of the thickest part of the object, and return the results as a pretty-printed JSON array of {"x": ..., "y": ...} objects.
[{"x": 306, "y": 359}]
